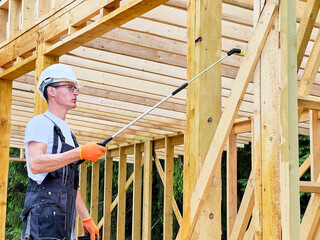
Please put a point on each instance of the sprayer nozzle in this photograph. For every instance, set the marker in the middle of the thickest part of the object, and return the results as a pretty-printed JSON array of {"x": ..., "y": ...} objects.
[{"x": 235, "y": 50}]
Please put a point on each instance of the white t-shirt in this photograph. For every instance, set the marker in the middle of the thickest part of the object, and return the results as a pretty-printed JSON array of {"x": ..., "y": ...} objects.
[{"x": 40, "y": 129}]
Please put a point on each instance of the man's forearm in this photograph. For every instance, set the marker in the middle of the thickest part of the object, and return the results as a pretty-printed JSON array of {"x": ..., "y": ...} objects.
[{"x": 81, "y": 207}]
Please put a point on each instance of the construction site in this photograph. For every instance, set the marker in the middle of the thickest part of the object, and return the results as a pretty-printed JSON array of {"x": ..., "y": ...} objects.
[{"x": 128, "y": 56}]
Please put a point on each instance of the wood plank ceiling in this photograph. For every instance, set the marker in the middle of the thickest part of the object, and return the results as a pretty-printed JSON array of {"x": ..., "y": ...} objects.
[{"x": 133, "y": 67}]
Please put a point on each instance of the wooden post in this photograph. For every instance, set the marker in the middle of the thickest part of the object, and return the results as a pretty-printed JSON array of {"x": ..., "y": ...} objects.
[
  {"x": 137, "y": 185},
  {"x": 147, "y": 191},
  {"x": 279, "y": 130},
  {"x": 43, "y": 61},
  {"x": 256, "y": 138},
  {"x": 5, "y": 126},
  {"x": 83, "y": 192},
  {"x": 107, "y": 196},
  {"x": 204, "y": 48},
  {"x": 314, "y": 145},
  {"x": 121, "y": 227},
  {"x": 14, "y": 16},
  {"x": 168, "y": 190},
  {"x": 28, "y": 14},
  {"x": 94, "y": 191},
  {"x": 289, "y": 164},
  {"x": 232, "y": 206},
  {"x": 212, "y": 160},
  {"x": 3, "y": 25}
]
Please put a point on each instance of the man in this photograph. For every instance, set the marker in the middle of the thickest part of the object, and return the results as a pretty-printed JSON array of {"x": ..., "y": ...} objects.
[{"x": 52, "y": 154}]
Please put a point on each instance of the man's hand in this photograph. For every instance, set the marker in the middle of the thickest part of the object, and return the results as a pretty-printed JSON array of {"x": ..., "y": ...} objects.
[
  {"x": 89, "y": 228},
  {"x": 91, "y": 151}
]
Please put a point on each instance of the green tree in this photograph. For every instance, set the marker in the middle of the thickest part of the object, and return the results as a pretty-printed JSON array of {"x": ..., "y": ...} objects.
[{"x": 17, "y": 188}]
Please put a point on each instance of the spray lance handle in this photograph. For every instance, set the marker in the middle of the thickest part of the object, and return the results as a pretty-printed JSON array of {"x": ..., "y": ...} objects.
[{"x": 105, "y": 142}]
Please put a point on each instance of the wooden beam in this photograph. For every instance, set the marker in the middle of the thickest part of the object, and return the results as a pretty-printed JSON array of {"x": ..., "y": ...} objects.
[
  {"x": 105, "y": 24},
  {"x": 245, "y": 211},
  {"x": 309, "y": 186},
  {"x": 108, "y": 172},
  {"x": 83, "y": 191},
  {"x": 304, "y": 166},
  {"x": 314, "y": 144},
  {"x": 256, "y": 138},
  {"x": 289, "y": 159},
  {"x": 5, "y": 120},
  {"x": 26, "y": 65},
  {"x": 308, "y": 102},
  {"x": 147, "y": 191},
  {"x": 305, "y": 28},
  {"x": 212, "y": 159},
  {"x": 204, "y": 33},
  {"x": 43, "y": 61},
  {"x": 3, "y": 26},
  {"x": 14, "y": 17},
  {"x": 121, "y": 216},
  {"x": 168, "y": 190},
  {"x": 94, "y": 191},
  {"x": 310, "y": 71},
  {"x": 137, "y": 185},
  {"x": 28, "y": 13},
  {"x": 232, "y": 202}
]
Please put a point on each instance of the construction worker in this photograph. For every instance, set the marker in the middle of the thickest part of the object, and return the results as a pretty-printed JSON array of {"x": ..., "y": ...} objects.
[{"x": 52, "y": 153}]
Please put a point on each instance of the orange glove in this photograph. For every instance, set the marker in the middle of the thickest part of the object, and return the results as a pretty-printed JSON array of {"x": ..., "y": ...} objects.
[
  {"x": 89, "y": 228},
  {"x": 91, "y": 151}
]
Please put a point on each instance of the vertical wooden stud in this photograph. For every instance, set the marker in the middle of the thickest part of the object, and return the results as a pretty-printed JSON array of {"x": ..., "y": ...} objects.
[
  {"x": 43, "y": 7},
  {"x": 147, "y": 191},
  {"x": 314, "y": 145},
  {"x": 256, "y": 138},
  {"x": 83, "y": 191},
  {"x": 137, "y": 186},
  {"x": 5, "y": 126},
  {"x": 28, "y": 13},
  {"x": 231, "y": 182},
  {"x": 204, "y": 48},
  {"x": 14, "y": 16},
  {"x": 3, "y": 25},
  {"x": 270, "y": 138},
  {"x": 289, "y": 164},
  {"x": 42, "y": 62},
  {"x": 94, "y": 191},
  {"x": 122, "y": 194},
  {"x": 168, "y": 190},
  {"x": 107, "y": 196}
]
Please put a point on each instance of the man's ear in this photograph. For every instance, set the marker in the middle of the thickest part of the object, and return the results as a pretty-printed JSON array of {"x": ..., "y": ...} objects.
[{"x": 51, "y": 91}]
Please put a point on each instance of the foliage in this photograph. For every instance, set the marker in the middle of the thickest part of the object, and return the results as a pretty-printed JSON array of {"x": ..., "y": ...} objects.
[
  {"x": 17, "y": 187},
  {"x": 304, "y": 152}
]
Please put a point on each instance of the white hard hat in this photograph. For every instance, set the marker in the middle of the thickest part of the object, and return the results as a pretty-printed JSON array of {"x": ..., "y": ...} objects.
[{"x": 55, "y": 73}]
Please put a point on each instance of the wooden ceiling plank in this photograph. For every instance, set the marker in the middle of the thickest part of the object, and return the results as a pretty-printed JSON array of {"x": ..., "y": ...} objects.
[{"x": 112, "y": 20}]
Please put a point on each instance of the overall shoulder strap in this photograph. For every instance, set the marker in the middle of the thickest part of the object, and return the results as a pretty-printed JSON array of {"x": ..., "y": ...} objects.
[{"x": 56, "y": 132}]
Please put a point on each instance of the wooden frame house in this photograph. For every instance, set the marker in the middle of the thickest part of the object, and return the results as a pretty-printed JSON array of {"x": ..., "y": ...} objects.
[{"x": 130, "y": 54}]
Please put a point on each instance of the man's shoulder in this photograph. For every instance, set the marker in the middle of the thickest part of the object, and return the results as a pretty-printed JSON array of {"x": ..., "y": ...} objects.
[{"x": 39, "y": 121}]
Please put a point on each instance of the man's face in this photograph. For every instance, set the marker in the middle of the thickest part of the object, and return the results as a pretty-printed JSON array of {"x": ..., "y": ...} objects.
[{"x": 65, "y": 94}]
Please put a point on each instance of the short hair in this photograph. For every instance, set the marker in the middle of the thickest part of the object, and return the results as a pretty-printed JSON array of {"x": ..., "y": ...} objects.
[{"x": 45, "y": 92}]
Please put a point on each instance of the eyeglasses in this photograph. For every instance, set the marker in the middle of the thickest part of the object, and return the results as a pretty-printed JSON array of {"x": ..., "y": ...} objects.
[{"x": 71, "y": 88}]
